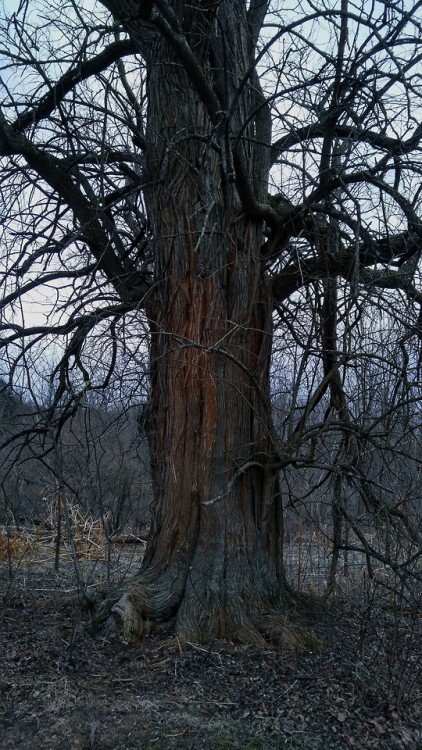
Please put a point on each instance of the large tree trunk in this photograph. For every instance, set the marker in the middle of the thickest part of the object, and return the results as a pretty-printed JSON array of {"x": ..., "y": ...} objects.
[{"x": 214, "y": 557}]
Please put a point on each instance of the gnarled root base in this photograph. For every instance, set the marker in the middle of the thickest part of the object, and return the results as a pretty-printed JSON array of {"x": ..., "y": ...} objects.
[
  {"x": 126, "y": 621},
  {"x": 276, "y": 628},
  {"x": 129, "y": 623},
  {"x": 259, "y": 624}
]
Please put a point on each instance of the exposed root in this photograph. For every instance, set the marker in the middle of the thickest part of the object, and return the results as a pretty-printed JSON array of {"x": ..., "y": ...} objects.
[
  {"x": 132, "y": 618},
  {"x": 277, "y": 628},
  {"x": 147, "y": 604},
  {"x": 241, "y": 632},
  {"x": 240, "y": 624},
  {"x": 128, "y": 621}
]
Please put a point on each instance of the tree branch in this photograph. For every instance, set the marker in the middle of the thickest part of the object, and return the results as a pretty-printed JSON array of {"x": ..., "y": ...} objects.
[
  {"x": 298, "y": 274},
  {"x": 73, "y": 324},
  {"x": 167, "y": 24},
  {"x": 80, "y": 72},
  {"x": 45, "y": 279},
  {"x": 50, "y": 169},
  {"x": 256, "y": 13},
  {"x": 394, "y": 146}
]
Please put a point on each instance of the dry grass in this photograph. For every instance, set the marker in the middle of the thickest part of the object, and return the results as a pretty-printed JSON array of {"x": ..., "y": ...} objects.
[
  {"x": 81, "y": 529},
  {"x": 18, "y": 545}
]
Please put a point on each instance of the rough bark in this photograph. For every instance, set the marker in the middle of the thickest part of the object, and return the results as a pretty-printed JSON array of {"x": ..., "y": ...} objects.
[{"x": 214, "y": 557}]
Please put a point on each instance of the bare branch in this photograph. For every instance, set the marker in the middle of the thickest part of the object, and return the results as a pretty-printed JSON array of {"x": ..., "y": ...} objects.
[{"x": 80, "y": 72}]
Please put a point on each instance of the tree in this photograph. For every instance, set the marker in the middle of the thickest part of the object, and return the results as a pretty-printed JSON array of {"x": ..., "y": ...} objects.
[{"x": 200, "y": 171}]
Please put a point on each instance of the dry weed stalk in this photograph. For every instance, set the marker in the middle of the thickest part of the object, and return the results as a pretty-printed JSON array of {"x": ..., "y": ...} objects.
[
  {"x": 89, "y": 535},
  {"x": 22, "y": 545}
]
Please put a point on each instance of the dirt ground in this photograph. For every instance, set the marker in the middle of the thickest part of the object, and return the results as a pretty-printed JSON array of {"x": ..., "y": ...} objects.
[{"x": 62, "y": 687}]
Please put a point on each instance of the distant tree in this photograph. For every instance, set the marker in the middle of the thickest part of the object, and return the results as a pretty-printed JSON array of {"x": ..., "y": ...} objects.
[
  {"x": 104, "y": 461},
  {"x": 209, "y": 173},
  {"x": 106, "y": 466}
]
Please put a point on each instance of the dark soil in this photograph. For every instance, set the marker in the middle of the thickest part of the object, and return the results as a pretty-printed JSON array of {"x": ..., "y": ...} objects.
[{"x": 61, "y": 687}]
